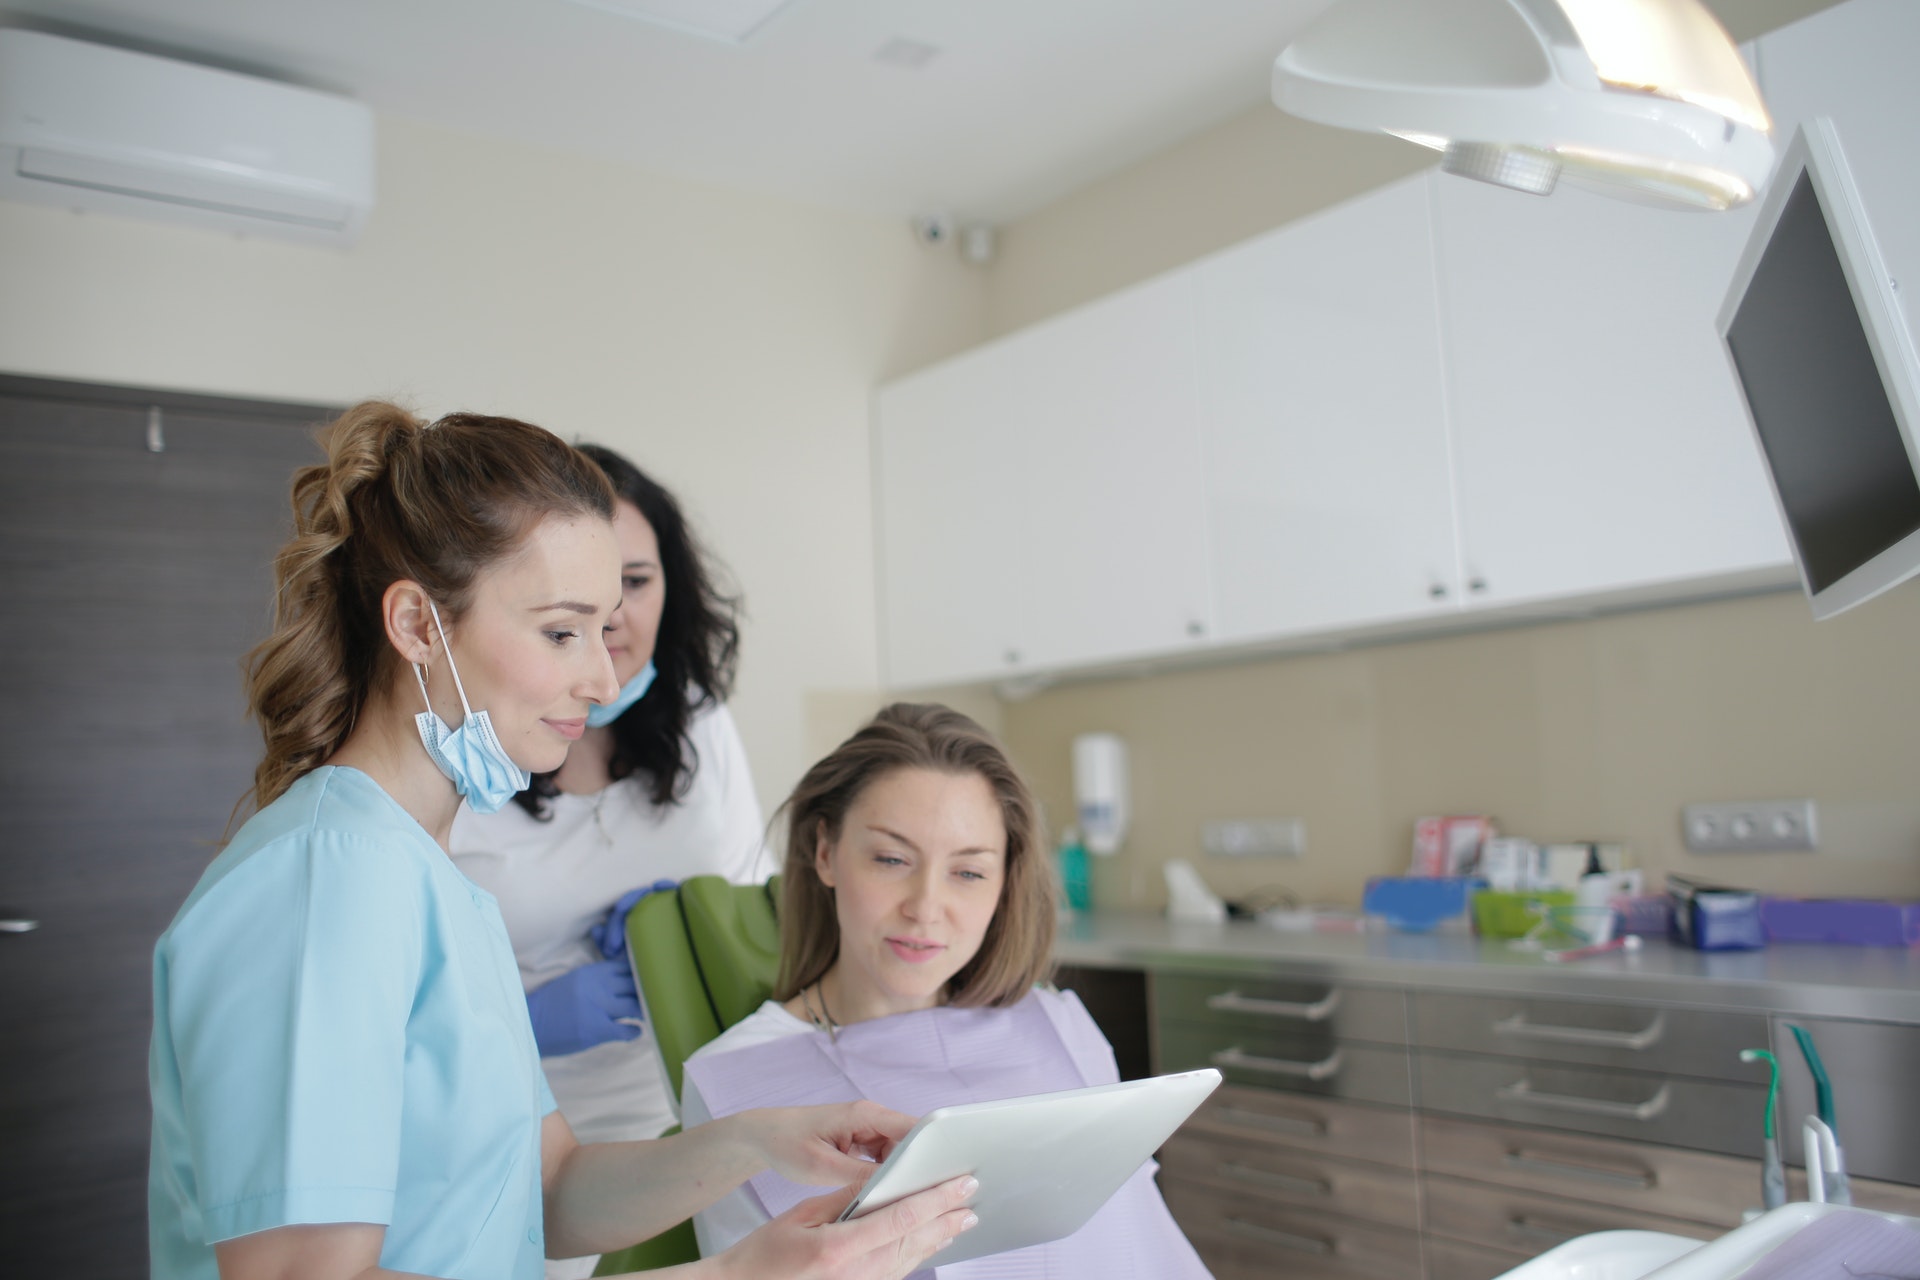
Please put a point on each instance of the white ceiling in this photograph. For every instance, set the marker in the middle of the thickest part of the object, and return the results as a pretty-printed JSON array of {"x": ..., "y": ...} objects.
[{"x": 1025, "y": 101}]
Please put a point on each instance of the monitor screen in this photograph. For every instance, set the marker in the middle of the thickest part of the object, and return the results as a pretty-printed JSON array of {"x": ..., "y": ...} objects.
[{"x": 1821, "y": 410}]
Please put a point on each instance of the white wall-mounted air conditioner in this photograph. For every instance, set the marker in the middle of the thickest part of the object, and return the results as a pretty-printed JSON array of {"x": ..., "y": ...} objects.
[{"x": 90, "y": 127}]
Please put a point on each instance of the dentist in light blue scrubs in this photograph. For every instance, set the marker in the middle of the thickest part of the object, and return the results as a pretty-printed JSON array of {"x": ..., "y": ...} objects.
[{"x": 344, "y": 1079}]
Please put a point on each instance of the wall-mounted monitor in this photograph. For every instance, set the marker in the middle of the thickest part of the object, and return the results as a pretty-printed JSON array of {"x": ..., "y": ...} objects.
[{"x": 1821, "y": 350}]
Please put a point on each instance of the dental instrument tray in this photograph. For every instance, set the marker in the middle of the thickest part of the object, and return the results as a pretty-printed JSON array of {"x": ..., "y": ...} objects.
[{"x": 1045, "y": 1162}]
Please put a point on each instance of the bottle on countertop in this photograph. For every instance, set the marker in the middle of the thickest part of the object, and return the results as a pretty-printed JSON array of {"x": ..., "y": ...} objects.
[{"x": 1076, "y": 882}]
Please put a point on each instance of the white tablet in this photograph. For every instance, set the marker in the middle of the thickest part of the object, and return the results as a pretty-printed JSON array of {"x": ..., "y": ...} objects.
[{"x": 1046, "y": 1162}]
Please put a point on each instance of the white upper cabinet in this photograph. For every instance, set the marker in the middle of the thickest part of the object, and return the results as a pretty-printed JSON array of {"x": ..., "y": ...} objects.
[
  {"x": 1854, "y": 65},
  {"x": 1041, "y": 498},
  {"x": 1107, "y": 451},
  {"x": 953, "y": 543},
  {"x": 1328, "y": 483},
  {"x": 1600, "y": 443}
]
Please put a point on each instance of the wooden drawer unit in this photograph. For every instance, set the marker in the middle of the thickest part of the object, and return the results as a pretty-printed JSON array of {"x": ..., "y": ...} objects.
[
  {"x": 1323, "y": 1126},
  {"x": 1704, "y": 1115},
  {"x": 1640, "y": 1037},
  {"x": 1250, "y": 1236},
  {"x": 1528, "y": 1223},
  {"x": 1694, "y": 1185},
  {"x": 1452, "y": 1260},
  {"x": 1257, "y": 1005},
  {"x": 1289, "y": 1177},
  {"x": 1269, "y": 1059}
]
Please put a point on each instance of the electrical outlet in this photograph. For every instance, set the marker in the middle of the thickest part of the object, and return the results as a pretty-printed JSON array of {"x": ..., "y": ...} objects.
[
  {"x": 1255, "y": 838},
  {"x": 1763, "y": 826}
]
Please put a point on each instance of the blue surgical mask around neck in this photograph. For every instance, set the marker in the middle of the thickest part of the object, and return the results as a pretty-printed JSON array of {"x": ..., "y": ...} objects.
[
  {"x": 602, "y": 714},
  {"x": 471, "y": 756}
]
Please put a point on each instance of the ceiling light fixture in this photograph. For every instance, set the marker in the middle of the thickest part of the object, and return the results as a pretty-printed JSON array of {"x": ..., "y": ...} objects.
[
  {"x": 728, "y": 21},
  {"x": 1646, "y": 99}
]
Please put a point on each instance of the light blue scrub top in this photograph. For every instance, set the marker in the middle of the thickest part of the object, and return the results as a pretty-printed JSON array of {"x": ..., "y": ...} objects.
[{"x": 340, "y": 1036}]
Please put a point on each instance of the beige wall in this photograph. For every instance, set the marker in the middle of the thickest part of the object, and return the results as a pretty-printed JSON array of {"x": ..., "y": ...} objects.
[
  {"x": 727, "y": 342},
  {"x": 1246, "y": 176},
  {"x": 1595, "y": 730}
]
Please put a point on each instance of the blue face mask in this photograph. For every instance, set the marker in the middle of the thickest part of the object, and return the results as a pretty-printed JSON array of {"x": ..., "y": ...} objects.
[
  {"x": 602, "y": 714},
  {"x": 471, "y": 756}
]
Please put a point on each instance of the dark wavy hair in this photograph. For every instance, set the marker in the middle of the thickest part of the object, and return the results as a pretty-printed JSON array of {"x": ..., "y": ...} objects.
[{"x": 695, "y": 652}]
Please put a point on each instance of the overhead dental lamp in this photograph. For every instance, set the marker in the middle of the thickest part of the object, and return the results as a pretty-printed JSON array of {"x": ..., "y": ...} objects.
[{"x": 1646, "y": 99}]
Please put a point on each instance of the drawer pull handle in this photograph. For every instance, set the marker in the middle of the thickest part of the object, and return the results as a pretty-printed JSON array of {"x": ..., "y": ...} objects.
[
  {"x": 1528, "y": 1229},
  {"x": 1277, "y": 1124},
  {"x": 1238, "y": 1057},
  {"x": 1285, "y": 1239},
  {"x": 1533, "y": 1164},
  {"x": 1518, "y": 1028},
  {"x": 1234, "y": 1002},
  {"x": 1278, "y": 1181},
  {"x": 1522, "y": 1091}
]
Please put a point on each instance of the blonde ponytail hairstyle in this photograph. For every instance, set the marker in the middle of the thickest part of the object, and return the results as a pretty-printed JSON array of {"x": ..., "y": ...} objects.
[{"x": 397, "y": 498}]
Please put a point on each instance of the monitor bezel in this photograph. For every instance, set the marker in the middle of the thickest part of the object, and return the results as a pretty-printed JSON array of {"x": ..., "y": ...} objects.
[{"x": 1816, "y": 151}]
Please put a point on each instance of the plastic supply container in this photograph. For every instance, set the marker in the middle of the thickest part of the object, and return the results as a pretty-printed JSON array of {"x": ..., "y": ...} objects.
[
  {"x": 1419, "y": 904},
  {"x": 1855, "y": 922},
  {"x": 1501, "y": 914},
  {"x": 1649, "y": 914},
  {"x": 1710, "y": 917}
]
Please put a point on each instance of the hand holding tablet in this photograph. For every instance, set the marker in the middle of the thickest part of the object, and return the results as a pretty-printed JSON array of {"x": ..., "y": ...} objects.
[{"x": 1046, "y": 1163}]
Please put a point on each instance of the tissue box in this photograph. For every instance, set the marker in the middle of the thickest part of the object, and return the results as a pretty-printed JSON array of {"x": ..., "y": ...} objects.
[
  {"x": 1711, "y": 917},
  {"x": 1418, "y": 904},
  {"x": 1851, "y": 921}
]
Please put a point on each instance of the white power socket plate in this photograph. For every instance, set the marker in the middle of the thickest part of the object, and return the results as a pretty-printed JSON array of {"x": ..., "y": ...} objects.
[
  {"x": 1760, "y": 826},
  {"x": 1255, "y": 838}
]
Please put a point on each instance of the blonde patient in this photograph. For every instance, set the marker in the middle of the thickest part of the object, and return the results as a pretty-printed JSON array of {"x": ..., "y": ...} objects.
[{"x": 917, "y": 918}]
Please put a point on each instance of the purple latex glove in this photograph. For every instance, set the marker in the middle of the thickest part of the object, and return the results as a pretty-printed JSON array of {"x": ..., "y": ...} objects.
[
  {"x": 584, "y": 1007},
  {"x": 610, "y": 935}
]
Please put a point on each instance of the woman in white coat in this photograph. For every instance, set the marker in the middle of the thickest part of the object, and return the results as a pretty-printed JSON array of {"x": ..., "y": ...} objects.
[{"x": 657, "y": 789}]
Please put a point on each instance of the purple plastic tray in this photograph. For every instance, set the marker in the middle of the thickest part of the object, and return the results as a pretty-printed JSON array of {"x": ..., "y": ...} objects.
[{"x": 1855, "y": 921}]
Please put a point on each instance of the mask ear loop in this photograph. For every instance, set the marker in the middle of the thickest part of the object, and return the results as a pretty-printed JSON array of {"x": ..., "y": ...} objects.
[{"x": 466, "y": 710}]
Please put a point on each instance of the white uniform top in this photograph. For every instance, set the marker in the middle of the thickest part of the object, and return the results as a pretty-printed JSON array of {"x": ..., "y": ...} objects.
[{"x": 556, "y": 879}]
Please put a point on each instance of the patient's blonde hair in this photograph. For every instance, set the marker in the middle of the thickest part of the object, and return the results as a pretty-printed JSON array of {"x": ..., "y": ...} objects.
[{"x": 1017, "y": 951}]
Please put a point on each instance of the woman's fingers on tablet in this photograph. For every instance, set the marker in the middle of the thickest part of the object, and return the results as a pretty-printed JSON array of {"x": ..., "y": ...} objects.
[
  {"x": 899, "y": 1239},
  {"x": 806, "y": 1243},
  {"x": 829, "y": 1145}
]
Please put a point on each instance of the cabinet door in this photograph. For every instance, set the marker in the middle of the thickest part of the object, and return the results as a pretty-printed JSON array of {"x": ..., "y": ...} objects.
[
  {"x": 1327, "y": 469},
  {"x": 1600, "y": 441},
  {"x": 952, "y": 536},
  {"x": 1854, "y": 64},
  {"x": 1041, "y": 500},
  {"x": 1105, "y": 455}
]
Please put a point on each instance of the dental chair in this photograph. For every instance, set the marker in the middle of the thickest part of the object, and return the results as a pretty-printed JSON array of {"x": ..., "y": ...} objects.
[{"x": 704, "y": 956}]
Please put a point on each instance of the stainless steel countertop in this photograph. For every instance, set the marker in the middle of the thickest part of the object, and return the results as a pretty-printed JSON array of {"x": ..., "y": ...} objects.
[{"x": 1877, "y": 983}]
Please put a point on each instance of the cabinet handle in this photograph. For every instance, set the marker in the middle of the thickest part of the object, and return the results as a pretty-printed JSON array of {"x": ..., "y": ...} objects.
[
  {"x": 18, "y": 926},
  {"x": 1528, "y": 1229},
  {"x": 1237, "y": 1057},
  {"x": 1277, "y": 1124},
  {"x": 1013, "y": 657},
  {"x": 1278, "y": 1181},
  {"x": 1285, "y": 1239},
  {"x": 1518, "y": 1028},
  {"x": 1234, "y": 1002},
  {"x": 1438, "y": 591},
  {"x": 1533, "y": 1164},
  {"x": 1476, "y": 584},
  {"x": 1522, "y": 1091}
]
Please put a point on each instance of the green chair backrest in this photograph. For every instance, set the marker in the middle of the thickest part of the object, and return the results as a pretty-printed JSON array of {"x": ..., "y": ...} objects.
[{"x": 705, "y": 956}]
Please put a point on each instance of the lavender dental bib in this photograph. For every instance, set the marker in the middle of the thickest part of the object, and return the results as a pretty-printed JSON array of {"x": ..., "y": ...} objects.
[{"x": 914, "y": 1062}]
